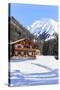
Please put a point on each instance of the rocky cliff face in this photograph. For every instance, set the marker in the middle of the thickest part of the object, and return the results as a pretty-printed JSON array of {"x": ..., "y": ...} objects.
[{"x": 17, "y": 31}]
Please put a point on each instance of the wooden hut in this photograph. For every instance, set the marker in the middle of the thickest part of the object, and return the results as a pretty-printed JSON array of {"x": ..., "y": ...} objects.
[{"x": 23, "y": 48}]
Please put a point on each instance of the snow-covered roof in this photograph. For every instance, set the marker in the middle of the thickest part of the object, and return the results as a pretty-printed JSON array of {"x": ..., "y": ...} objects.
[{"x": 16, "y": 41}]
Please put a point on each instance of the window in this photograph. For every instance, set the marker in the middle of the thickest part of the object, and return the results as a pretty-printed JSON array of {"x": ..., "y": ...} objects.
[
  {"x": 16, "y": 53},
  {"x": 15, "y": 46},
  {"x": 30, "y": 53},
  {"x": 22, "y": 53}
]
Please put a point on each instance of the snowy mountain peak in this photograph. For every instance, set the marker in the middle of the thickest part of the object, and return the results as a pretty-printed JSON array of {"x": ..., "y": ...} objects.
[{"x": 44, "y": 25}]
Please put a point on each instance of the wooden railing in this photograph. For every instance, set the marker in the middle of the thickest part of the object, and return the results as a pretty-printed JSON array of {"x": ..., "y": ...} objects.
[{"x": 25, "y": 49}]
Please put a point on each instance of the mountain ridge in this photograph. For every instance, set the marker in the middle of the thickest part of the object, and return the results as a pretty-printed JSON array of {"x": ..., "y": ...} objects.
[{"x": 45, "y": 25}]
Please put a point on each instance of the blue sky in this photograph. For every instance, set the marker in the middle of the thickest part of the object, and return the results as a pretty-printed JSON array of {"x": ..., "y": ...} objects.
[{"x": 26, "y": 14}]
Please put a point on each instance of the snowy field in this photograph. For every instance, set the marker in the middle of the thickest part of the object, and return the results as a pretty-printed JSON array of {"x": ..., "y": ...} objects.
[{"x": 40, "y": 71}]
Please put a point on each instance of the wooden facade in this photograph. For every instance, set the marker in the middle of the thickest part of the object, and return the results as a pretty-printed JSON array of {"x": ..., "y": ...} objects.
[{"x": 23, "y": 48}]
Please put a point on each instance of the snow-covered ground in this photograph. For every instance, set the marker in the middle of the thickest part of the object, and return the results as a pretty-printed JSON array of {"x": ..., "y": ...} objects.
[{"x": 40, "y": 71}]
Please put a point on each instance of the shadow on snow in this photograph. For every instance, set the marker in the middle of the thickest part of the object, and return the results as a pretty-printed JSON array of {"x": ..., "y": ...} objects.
[{"x": 19, "y": 79}]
